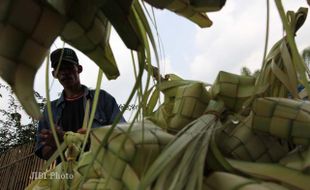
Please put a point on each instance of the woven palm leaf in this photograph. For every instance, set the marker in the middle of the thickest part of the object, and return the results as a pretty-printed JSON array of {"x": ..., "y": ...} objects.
[
  {"x": 64, "y": 175},
  {"x": 233, "y": 90},
  {"x": 295, "y": 160},
  {"x": 124, "y": 160},
  {"x": 169, "y": 88},
  {"x": 228, "y": 181},
  {"x": 243, "y": 143},
  {"x": 121, "y": 16},
  {"x": 195, "y": 13},
  {"x": 281, "y": 66},
  {"x": 190, "y": 103},
  {"x": 27, "y": 30},
  {"x": 287, "y": 119},
  {"x": 184, "y": 102},
  {"x": 283, "y": 118},
  {"x": 185, "y": 155},
  {"x": 288, "y": 177},
  {"x": 89, "y": 32}
]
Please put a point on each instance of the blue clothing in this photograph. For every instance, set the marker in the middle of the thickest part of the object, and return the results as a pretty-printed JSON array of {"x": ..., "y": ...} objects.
[{"x": 106, "y": 111}]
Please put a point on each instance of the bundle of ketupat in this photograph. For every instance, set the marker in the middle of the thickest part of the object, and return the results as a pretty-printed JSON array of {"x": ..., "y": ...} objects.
[
  {"x": 119, "y": 164},
  {"x": 185, "y": 154},
  {"x": 123, "y": 161},
  {"x": 145, "y": 156},
  {"x": 184, "y": 102},
  {"x": 256, "y": 140}
]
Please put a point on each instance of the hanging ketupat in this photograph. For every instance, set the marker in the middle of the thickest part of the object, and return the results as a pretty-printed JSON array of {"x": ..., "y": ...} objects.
[{"x": 184, "y": 102}]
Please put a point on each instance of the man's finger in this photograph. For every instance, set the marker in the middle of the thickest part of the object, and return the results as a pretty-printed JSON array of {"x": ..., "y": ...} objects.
[{"x": 81, "y": 131}]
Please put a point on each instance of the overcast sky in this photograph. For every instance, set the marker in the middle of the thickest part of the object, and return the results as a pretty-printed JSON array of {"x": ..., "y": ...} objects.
[{"x": 236, "y": 39}]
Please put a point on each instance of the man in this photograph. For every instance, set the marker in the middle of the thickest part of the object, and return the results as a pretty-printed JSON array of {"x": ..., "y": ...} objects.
[{"x": 68, "y": 110}]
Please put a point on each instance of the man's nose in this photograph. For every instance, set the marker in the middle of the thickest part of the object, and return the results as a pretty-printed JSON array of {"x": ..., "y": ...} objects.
[{"x": 64, "y": 70}]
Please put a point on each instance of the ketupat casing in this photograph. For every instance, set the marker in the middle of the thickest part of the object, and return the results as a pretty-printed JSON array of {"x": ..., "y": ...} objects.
[
  {"x": 233, "y": 89},
  {"x": 184, "y": 102},
  {"x": 284, "y": 118},
  {"x": 141, "y": 148},
  {"x": 240, "y": 141}
]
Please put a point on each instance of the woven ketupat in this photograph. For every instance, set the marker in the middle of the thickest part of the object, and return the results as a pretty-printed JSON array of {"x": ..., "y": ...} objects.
[
  {"x": 122, "y": 15},
  {"x": 184, "y": 102},
  {"x": 190, "y": 103},
  {"x": 89, "y": 32},
  {"x": 284, "y": 118},
  {"x": 64, "y": 174},
  {"x": 169, "y": 88},
  {"x": 233, "y": 89},
  {"x": 243, "y": 143},
  {"x": 27, "y": 30},
  {"x": 57, "y": 178},
  {"x": 185, "y": 155},
  {"x": 122, "y": 168}
]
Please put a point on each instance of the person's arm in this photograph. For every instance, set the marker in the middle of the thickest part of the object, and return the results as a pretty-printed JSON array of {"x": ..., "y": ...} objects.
[
  {"x": 111, "y": 108},
  {"x": 45, "y": 144},
  {"x": 43, "y": 124},
  {"x": 48, "y": 142},
  {"x": 47, "y": 152}
]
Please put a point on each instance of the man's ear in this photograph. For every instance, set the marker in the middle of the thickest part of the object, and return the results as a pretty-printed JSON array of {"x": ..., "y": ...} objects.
[
  {"x": 54, "y": 74},
  {"x": 80, "y": 68}
]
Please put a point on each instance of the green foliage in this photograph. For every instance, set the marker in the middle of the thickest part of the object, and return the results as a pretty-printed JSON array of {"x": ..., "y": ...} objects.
[
  {"x": 306, "y": 56},
  {"x": 245, "y": 71},
  {"x": 12, "y": 131}
]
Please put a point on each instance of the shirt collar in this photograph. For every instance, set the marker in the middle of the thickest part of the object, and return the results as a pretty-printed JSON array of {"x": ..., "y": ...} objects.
[{"x": 87, "y": 94}]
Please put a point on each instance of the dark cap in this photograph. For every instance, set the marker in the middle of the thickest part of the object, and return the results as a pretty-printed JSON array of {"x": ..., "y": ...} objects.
[{"x": 68, "y": 55}]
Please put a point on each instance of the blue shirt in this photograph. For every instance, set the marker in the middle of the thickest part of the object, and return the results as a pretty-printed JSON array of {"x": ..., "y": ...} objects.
[{"x": 106, "y": 111}]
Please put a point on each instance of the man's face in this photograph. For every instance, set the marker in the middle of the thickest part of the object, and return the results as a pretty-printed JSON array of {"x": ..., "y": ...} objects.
[{"x": 68, "y": 74}]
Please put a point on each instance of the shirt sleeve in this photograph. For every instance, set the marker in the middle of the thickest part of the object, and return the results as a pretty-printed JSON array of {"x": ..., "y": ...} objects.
[
  {"x": 111, "y": 108},
  {"x": 43, "y": 124}
]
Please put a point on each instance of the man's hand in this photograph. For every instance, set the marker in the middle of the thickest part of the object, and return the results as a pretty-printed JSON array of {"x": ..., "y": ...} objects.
[
  {"x": 48, "y": 138},
  {"x": 81, "y": 131},
  {"x": 49, "y": 142}
]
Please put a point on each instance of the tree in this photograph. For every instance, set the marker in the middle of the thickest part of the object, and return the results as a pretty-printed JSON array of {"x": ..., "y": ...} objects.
[
  {"x": 245, "y": 71},
  {"x": 12, "y": 131},
  {"x": 306, "y": 56}
]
